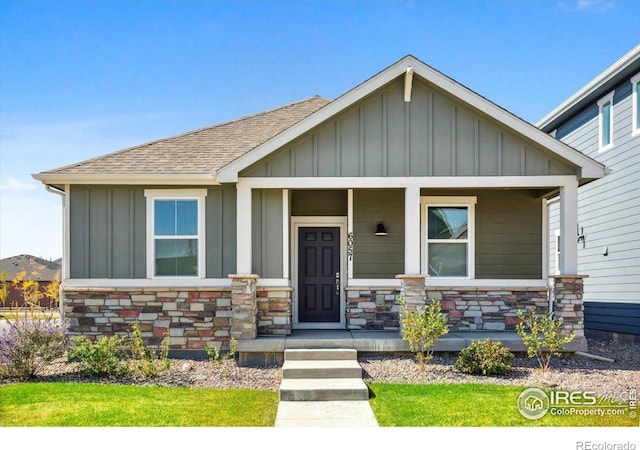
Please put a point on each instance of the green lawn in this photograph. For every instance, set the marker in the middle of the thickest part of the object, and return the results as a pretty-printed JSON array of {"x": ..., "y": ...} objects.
[
  {"x": 473, "y": 405},
  {"x": 94, "y": 405}
]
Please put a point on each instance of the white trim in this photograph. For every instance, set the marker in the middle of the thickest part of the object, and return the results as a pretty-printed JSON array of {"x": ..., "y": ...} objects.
[
  {"x": 550, "y": 181},
  {"x": 590, "y": 87},
  {"x": 274, "y": 282},
  {"x": 141, "y": 283},
  {"x": 318, "y": 221},
  {"x": 285, "y": 234},
  {"x": 147, "y": 179},
  {"x": 607, "y": 99},
  {"x": 556, "y": 251},
  {"x": 243, "y": 228},
  {"x": 373, "y": 282},
  {"x": 568, "y": 229},
  {"x": 635, "y": 129},
  {"x": 589, "y": 167},
  {"x": 412, "y": 230},
  {"x": 349, "y": 228},
  {"x": 66, "y": 242},
  {"x": 408, "y": 84},
  {"x": 137, "y": 283},
  {"x": 495, "y": 283},
  {"x": 545, "y": 237},
  {"x": 199, "y": 196},
  {"x": 442, "y": 201}
]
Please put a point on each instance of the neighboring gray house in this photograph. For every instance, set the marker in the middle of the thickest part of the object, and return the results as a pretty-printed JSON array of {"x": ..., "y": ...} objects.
[
  {"x": 603, "y": 121},
  {"x": 320, "y": 214}
]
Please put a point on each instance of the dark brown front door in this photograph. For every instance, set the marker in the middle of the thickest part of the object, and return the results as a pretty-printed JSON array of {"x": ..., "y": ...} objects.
[{"x": 318, "y": 264}]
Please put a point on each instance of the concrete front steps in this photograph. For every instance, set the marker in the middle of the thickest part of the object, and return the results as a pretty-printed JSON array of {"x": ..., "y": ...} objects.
[{"x": 322, "y": 375}]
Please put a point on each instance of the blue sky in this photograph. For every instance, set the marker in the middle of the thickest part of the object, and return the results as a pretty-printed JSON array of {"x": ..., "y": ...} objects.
[{"x": 80, "y": 79}]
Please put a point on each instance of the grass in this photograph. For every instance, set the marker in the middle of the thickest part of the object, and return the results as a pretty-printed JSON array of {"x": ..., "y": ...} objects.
[
  {"x": 471, "y": 405},
  {"x": 103, "y": 405}
]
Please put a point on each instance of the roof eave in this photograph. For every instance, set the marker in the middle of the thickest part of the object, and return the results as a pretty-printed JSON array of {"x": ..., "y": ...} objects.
[
  {"x": 131, "y": 179},
  {"x": 588, "y": 89},
  {"x": 588, "y": 167}
]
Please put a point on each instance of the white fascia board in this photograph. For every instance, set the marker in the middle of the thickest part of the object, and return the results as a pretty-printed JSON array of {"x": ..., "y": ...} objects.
[
  {"x": 168, "y": 282},
  {"x": 591, "y": 86},
  {"x": 142, "y": 179},
  {"x": 590, "y": 168},
  {"x": 229, "y": 173},
  {"x": 550, "y": 181}
]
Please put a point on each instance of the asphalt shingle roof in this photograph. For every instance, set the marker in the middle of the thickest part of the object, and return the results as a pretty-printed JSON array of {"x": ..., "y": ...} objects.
[{"x": 199, "y": 151}]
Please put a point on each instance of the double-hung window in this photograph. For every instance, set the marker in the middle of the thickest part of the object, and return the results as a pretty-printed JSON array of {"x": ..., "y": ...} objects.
[
  {"x": 175, "y": 232},
  {"x": 449, "y": 236},
  {"x": 605, "y": 122},
  {"x": 635, "y": 125}
]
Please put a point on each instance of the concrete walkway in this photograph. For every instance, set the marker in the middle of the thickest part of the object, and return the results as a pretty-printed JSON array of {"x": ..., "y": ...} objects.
[{"x": 325, "y": 414}]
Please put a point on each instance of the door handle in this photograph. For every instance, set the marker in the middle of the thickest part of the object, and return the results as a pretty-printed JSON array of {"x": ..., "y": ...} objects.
[{"x": 337, "y": 283}]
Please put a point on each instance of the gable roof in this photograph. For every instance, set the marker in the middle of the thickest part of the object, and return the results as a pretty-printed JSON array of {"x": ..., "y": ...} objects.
[
  {"x": 190, "y": 155},
  {"x": 593, "y": 90},
  {"x": 218, "y": 153},
  {"x": 46, "y": 270},
  {"x": 589, "y": 168}
]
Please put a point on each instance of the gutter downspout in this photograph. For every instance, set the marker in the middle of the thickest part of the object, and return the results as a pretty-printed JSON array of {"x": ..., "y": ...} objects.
[{"x": 63, "y": 275}]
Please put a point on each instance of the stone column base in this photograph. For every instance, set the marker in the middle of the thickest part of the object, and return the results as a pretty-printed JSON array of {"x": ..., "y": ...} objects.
[{"x": 244, "y": 306}]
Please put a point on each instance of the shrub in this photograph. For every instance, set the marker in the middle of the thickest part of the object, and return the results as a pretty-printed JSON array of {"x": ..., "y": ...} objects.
[
  {"x": 145, "y": 363},
  {"x": 544, "y": 340},
  {"x": 217, "y": 356},
  {"x": 484, "y": 358},
  {"x": 101, "y": 358},
  {"x": 114, "y": 356},
  {"x": 421, "y": 328},
  {"x": 29, "y": 345}
]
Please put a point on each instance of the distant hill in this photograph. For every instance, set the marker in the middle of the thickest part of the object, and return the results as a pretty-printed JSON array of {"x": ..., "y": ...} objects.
[{"x": 45, "y": 269}]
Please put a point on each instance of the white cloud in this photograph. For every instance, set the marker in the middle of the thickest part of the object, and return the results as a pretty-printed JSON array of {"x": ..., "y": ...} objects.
[
  {"x": 15, "y": 185},
  {"x": 588, "y": 6}
]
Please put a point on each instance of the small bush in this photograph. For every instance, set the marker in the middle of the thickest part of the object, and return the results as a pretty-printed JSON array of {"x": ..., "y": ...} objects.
[
  {"x": 543, "y": 339},
  {"x": 484, "y": 358},
  {"x": 29, "y": 345},
  {"x": 102, "y": 358},
  {"x": 145, "y": 363},
  {"x": 114, "y": 356},
  {"x": 421, "y": 328}
]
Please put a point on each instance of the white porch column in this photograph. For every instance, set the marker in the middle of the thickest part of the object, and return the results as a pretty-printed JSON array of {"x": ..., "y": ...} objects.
[
  {"x": 243, "y": 228},
  {"x": 412, "y": 230},
  {"x": 568, "y": 228}
]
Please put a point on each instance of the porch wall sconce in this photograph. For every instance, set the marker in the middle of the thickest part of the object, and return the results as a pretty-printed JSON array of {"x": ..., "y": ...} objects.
[{"x": 381, "y": 230}]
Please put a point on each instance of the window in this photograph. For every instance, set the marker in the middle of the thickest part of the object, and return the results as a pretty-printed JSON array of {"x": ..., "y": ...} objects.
[
  {"x": 175, "y": 233},
  {"x": 635, "y": 85},
  {"x": 449, "y": 236},
  {"x": 605, "y": 122}
]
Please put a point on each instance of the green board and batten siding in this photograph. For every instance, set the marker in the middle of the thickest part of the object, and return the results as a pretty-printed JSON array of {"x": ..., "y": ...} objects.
[
  {"x": 433, "y": 135},
  {"x": 266, "y": 236},
  {"x": 108, "y": 229}
]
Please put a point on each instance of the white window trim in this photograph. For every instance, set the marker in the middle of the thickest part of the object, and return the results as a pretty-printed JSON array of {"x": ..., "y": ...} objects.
[
  {"x": 557, "y": 248},
  {"x": 175, "y": 194},
  {"x": 470, "y": 203},
  {"x": 602, "y": 102},
  {"x": 635, "y": 130}
]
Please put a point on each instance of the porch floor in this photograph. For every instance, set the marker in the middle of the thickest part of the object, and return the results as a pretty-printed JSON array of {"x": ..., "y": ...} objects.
[{"x": 372, "y": 341}]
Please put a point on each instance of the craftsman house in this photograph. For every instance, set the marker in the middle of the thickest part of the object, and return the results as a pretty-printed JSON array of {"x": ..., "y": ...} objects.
[{"x": 320, "y": 214}]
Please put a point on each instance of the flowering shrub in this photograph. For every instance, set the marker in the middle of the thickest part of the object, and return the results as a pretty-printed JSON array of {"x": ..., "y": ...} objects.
[{"x": 29, "y": 345}]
